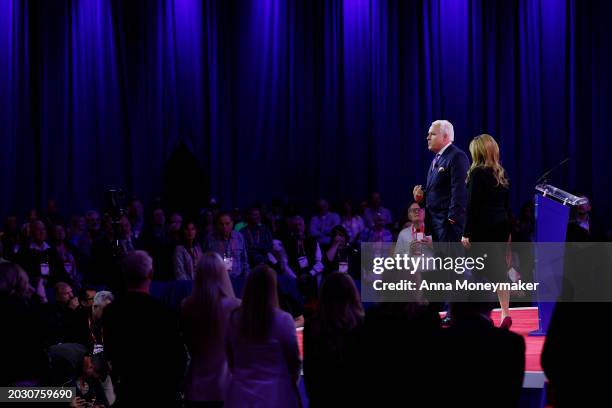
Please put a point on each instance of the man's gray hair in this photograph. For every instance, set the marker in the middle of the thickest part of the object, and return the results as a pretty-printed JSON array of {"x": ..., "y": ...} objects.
[
  {"x": 445, "y": 127},
  {"x": 137, "y": 267},
  {"x": 103, "y": 297}
]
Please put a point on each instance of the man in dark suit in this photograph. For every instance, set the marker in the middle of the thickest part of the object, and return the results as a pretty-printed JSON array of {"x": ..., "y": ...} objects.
[
  {"x": 142, "y": 341},
  {"x": 445, "y": 195}
]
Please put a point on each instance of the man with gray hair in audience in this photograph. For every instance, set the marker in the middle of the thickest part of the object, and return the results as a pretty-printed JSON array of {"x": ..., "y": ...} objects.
[
  {"x": 100, "y": 301},
  {"x": 142, "y": 341}
]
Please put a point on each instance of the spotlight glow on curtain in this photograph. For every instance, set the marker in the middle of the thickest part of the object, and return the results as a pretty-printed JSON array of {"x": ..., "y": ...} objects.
[{"x": 296, "y": 98}]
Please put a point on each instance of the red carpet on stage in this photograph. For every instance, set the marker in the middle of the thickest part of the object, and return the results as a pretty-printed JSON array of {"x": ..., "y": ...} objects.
[{"x": 524, "y": 320}]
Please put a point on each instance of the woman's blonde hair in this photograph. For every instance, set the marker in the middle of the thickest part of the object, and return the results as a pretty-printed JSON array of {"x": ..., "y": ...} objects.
[
  {"x": 203, "y": 307},
  {"x": 485, "y": 153}
]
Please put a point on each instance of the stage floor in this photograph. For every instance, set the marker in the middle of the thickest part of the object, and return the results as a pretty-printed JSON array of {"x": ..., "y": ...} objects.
[{"x": 524, "y": 320}]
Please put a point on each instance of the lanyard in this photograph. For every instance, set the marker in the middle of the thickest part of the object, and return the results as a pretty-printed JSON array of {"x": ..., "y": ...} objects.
[
  {"x": 226, "y": 245},
  {"x": 91, "y": 333},
  {"x": 251, "y": 236},
  {"x": 301, "y": 249},
  {"x": 194, "y": 254}
]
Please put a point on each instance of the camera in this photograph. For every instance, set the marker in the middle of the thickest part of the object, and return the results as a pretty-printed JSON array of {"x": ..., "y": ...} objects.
[{"x": 115, "y": 208}]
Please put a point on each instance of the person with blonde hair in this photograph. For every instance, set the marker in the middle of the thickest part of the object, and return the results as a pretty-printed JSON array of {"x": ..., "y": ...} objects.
[
  {"x": 204, "y": 318},
  {"x": 262, "y": 349},
  {"x": 488, "y": 212}
]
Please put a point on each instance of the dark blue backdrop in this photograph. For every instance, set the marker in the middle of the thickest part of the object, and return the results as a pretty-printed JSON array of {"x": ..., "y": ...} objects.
[{"x": 296, "y": 98}]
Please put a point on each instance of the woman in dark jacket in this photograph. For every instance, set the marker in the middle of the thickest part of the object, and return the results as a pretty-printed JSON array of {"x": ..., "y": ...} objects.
[{"x": 488, "y": 213}]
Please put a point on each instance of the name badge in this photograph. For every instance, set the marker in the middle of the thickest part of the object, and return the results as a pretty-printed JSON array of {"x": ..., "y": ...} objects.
[
  {"x": 343, "y": 267},
  {"x": 44, "y": 269},
  {"x": 303, "y": 261},
  {"x": 419, "y": 236},
  {"x": 98, "y": 348}
]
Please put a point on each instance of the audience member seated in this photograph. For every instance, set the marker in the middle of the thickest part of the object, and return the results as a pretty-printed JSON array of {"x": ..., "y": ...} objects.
[
  {"x": 289, "y": 297},
  {"x": 77, "y": 229},
  {"x": 257, "y": 238},
  {"x": 38, "y": 258},
  {"x": 83, "y": 242},
  {"x": 230, "y": 245},
  {"x": 65, "y": 253},
  {"x": 22, "y": 341},
  {"x": 32, "y": 216},
  {"x": 176, "y": 219},
  {"x": 583, "y": 227},
  {"x": 187, "y": 254},
  {"x": 239, "y": 218},
  {"x": 156, "y": 242},
  {"x": 64, "y": 296},
  {"x": 333, "y": 347},
  {"x": 378, "y": 232},
  {"x": 279, "y": 260},
  {"x": 304, "y": 257},
  {"x": 322, "y": 224},
  {"x": 88, "y": 385},
  {"x": 142, "y": 342},
  {"x": 262, "y": 349},
  {"x": 338, "y": 258},
  {"x": 375, "y": 207},
  {"x": 204, "y": 318},
  {"x": 94, "y": 225},
  {"x": 409, "y": 237},
  {"x": 403, "y": 221},
  {"x": 174, "y": 229},
  {"x": 351, "y": 221},
  {"x": 128, "y": 241},
  {"x": 484, "y": 364},
  {"x": 208, "y": 222},
  {"x": 61, "y": 314},
  {"x": 80, "y": 330},
  {"x": 135, "y": 215},
  {"x": 86, "y": 297},
  {"x": 101, "y": 300}
]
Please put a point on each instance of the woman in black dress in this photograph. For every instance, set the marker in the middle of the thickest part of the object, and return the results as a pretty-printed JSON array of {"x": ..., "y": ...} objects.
[{"x": 488, "y": 212}]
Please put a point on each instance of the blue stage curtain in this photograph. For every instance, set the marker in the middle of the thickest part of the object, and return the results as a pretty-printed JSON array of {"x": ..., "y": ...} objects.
[{"x": 296, "y": 99}]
